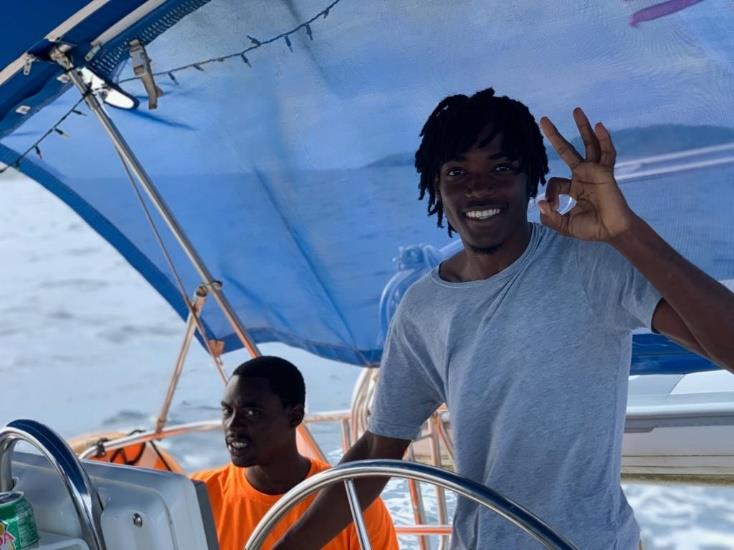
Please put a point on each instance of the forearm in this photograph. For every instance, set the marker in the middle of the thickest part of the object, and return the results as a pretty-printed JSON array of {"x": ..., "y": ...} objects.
[
  {"x": 330, "y": 512},
  {"x": 705, "y": 305}
]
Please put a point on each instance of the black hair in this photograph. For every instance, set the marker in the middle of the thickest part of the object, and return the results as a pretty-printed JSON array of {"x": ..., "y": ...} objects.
[
  {"x": 455, "y": 126},
  {"x": 285, "y": 379}
]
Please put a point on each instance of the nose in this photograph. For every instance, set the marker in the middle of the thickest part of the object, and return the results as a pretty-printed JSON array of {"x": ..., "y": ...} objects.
[
  {"x": 234, "y": 421},
  {"x": 479, "y": 185}
]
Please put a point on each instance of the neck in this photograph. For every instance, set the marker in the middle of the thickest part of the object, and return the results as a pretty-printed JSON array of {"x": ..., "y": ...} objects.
[
  {"x": 286, "y": 470},
  {"x": 478, "y": 264}
]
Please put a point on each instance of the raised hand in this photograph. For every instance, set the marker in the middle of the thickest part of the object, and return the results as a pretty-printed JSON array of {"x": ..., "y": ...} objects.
[{"x": 601, "y": 213}]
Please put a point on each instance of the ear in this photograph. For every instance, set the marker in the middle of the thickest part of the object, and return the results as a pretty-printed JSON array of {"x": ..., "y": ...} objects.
[
  {"x": 295, "y": 415},
  {"x": 437, "y": 188}
]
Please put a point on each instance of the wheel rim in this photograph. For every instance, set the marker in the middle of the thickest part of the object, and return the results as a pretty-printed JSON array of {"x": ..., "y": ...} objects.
[{"x": 350, "y": 471}]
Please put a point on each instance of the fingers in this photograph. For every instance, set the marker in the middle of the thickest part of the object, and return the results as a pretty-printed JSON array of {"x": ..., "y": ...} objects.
[
  {"x": 597, "y": 142},
  {"x": 565, "y": 150},
  {"x": 591, "y": 142},
  {"x": 556, "y": 187},
  {"x": 608, "y": 152},
  {"x": 553, "y": 219},
  {"x": 549, "y": 214}
]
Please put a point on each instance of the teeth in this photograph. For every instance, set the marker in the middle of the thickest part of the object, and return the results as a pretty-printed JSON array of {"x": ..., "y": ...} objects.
[
  {"x": 238, "y": 445},
  {"x": 482, "y": 214}
]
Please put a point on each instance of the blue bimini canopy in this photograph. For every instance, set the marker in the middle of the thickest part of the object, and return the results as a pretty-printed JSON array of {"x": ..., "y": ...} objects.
[{"x": 283, "y": 140}]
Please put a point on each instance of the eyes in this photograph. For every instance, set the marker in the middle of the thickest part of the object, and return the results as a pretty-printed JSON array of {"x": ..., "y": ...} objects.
[
  {"x": 455, "y": 172},
  {"x": 503, "y": 168},
  {"x": 246, "y": 413}
]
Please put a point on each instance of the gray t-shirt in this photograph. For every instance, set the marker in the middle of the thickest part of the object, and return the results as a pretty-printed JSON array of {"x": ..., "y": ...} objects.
[{"x": 533, "y": 364}]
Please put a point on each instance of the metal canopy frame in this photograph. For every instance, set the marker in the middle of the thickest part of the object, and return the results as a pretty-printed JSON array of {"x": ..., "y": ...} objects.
[
  {"x": 133, "y": 166},
  {"x": 131, "y": 162}
]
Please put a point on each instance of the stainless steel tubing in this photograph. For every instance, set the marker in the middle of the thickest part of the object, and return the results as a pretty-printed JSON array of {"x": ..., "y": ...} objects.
[
  {"x": 86, "y": 501},
  {"x": 143, "y": 437},
  {"x": 137, "y": 169},
  {"x": 437, "y": 461},
  {"x": 397, "y": 468},
  {"x": 356, "y": 508},
  {"x": 191, "y": 427},
  {"x": 196, "y": 308}
]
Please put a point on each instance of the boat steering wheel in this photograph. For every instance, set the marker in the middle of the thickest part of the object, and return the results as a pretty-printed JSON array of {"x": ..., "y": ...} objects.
[{"x": 347, "y": 473}]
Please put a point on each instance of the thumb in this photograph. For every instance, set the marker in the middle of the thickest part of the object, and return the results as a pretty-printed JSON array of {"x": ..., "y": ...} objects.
[{"x": 552, "y": 218}]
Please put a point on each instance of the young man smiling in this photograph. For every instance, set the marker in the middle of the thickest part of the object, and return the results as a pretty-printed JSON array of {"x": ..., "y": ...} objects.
[
  {"x": 526, "y": 333},
  {"x": 262, "y": 406}
]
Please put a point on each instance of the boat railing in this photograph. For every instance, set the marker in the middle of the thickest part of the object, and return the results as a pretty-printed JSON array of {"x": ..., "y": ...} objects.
[
  {"x": 152, "y": 435},
  {"x": 347, "y": 473},
  {"x": 176, "y": 430},
  {"x": 86, "y": 501}
]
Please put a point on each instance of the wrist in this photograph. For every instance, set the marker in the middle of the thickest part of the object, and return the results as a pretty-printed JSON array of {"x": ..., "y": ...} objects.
[
  {"x": 285, "y": 543},
  {"x": 630, "y": 233},
  {"x": 293, "y": 540}
]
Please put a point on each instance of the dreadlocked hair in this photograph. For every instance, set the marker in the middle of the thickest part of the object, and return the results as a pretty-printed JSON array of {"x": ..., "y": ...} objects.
[{"x": 455, "y": 126}]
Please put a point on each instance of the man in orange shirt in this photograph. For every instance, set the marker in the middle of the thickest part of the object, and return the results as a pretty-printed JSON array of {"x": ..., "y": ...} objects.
[{"x": 263, "y": 404}]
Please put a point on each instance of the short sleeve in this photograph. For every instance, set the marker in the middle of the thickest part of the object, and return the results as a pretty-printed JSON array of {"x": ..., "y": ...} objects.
[
  {"x": 408, "y": 388},
  {"x": 618, "y": 293}
]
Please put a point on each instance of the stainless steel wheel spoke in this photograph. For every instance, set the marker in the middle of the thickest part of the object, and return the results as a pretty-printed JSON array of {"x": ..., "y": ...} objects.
[{"x": 357, "y": 516}]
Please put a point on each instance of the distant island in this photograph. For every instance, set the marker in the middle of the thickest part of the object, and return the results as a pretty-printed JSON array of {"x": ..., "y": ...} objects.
[{"x": 630, "y": 143}]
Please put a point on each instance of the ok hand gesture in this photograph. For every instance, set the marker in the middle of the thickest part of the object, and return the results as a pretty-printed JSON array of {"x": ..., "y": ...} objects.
[{"x": 601, "y": 213}]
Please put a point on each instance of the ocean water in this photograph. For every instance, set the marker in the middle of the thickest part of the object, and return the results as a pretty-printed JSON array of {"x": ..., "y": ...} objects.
[{"x": 88, "y": 346}]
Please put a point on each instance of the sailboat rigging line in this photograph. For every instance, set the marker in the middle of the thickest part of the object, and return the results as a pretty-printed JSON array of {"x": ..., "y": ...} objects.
[
  {"x": 193, "y": 313},
  {"x": 255, "y": 45},
  {"x": 137, "y": 169},
  {"x": 53, "y": 129}
]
